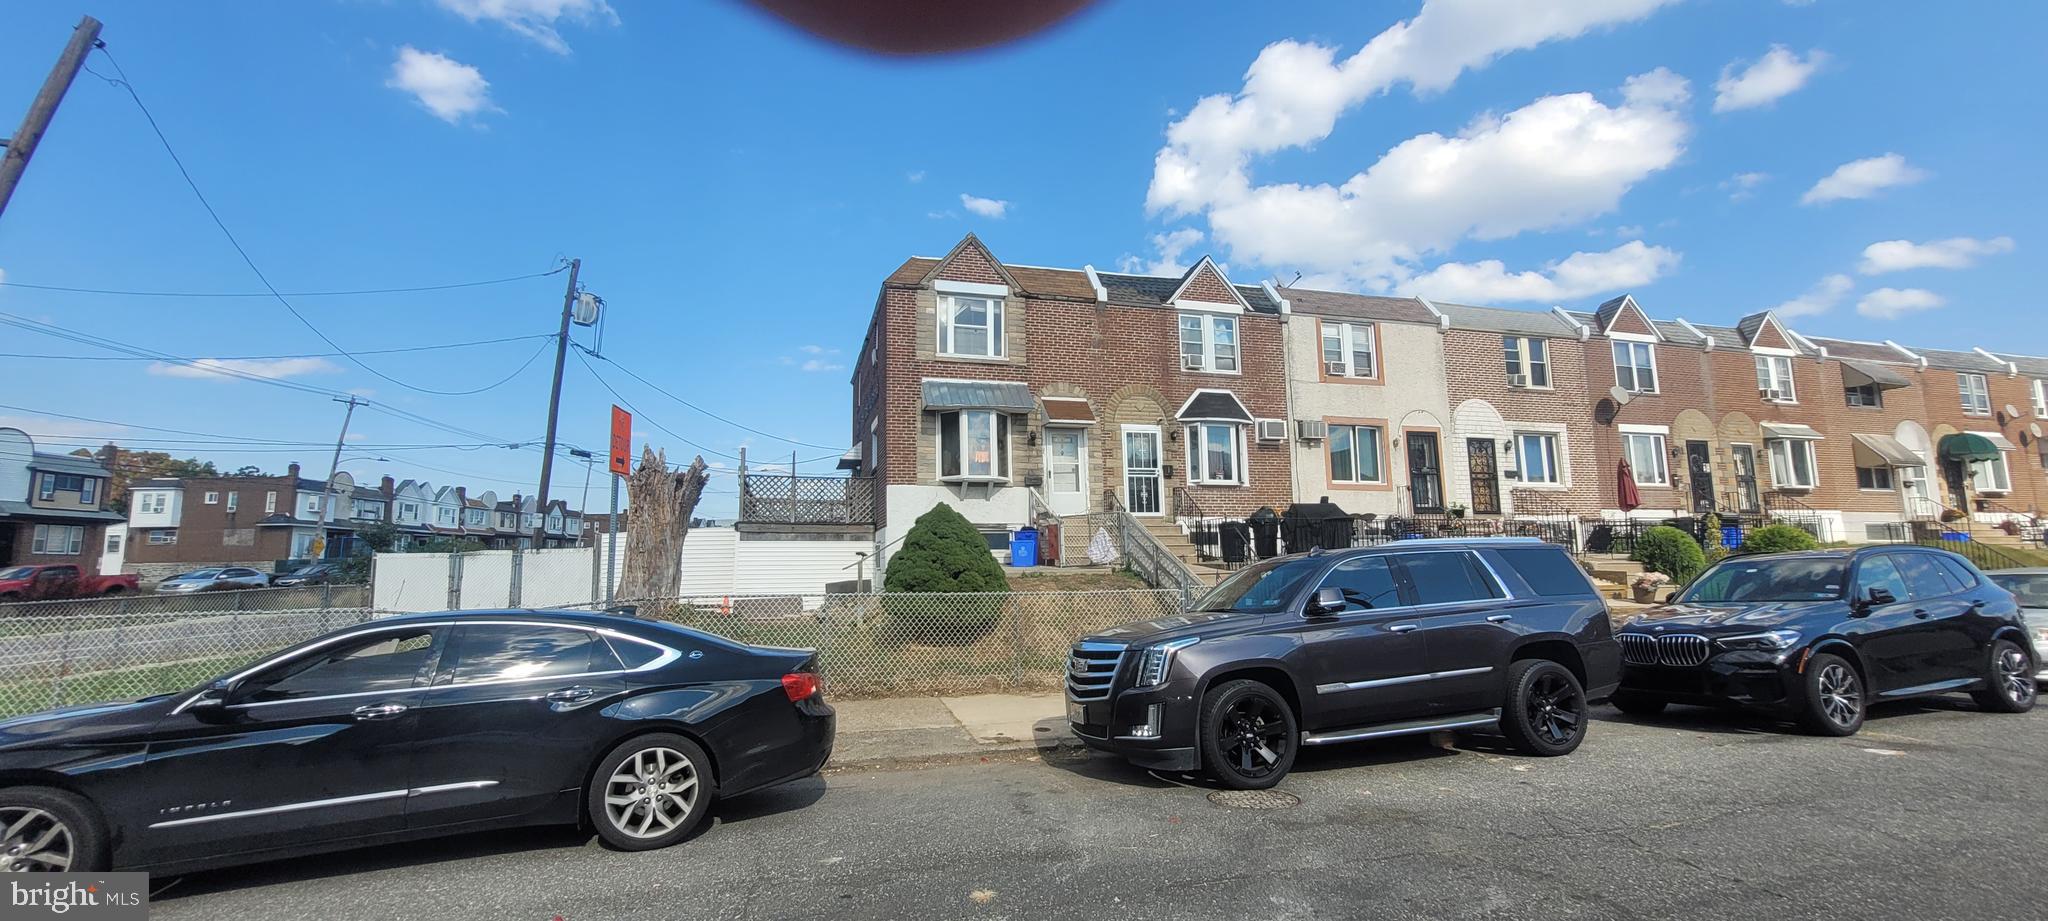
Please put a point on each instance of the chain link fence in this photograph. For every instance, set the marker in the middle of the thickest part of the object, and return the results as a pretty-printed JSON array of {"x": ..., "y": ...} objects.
[{"x": 58, "y": 653}]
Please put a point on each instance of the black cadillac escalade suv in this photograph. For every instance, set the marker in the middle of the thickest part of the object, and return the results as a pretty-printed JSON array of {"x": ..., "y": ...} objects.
[
  {"x": 1412, "y": 637},
  {"x": 1816, "y": 637}
]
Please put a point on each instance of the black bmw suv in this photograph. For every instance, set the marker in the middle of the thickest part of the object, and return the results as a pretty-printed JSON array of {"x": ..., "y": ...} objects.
[
  {"x": 1817, "y": 636},
  {"x": 1313, "y": 649}
]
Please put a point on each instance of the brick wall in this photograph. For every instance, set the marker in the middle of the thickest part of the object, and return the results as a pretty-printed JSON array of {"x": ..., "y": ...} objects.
[
  {"x": 1682, "y": 375},
  {"x": 1945, "y": 414},
  {"x": 1475, "y": 370},
  {"x": 210, "y": 533},
  {"x": 87, "y": 559}
]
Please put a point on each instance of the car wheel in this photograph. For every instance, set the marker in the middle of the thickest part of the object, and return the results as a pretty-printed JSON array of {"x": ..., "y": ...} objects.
[
  {"x": 2008, "y": 679},
  {"x": 1545, "y": 713},
  {"x": 51, "y": 830},
  {"x": 1637, "y": 704},
  {"x": 1248, "y": 735},
  {"x": 649, "y": 792},
  {"x": 1834, "y": 697}
]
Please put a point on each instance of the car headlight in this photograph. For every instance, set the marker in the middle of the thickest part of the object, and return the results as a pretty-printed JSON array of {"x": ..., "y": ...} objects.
[
  {"x": 1152, "y": 669},
  {"x": 1767, "y": 641}
]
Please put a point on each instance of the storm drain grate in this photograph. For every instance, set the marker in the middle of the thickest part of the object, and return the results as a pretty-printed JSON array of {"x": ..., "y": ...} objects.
[{"x": 1254, "y": 799}]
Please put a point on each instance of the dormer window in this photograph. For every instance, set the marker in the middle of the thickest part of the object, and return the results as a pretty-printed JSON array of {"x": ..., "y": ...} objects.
[
  {"x": 1774, "y": 379},
  {"x": 970, "y": 326},
  {"x": 1635, "y": 367},
  {"x": 1208, "y": 342}
]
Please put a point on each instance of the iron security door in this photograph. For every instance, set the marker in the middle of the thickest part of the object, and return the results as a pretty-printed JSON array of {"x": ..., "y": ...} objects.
[
  {"x": 1699, "y": 465},
  {"x": 1485, "y": 472},
  {"x": 1425, "y": 476}
]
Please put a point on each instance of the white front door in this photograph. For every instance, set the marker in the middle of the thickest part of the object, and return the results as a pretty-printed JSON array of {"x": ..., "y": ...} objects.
[
  {"x": 1141, "y": 470},
  {"x": 1919, "y": 498},
  {"x": 1066, "y": 470}
]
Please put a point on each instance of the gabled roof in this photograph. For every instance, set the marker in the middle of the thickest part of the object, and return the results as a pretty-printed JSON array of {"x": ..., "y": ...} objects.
[
  {"x": 1362, "y": 306},
  {"x": 1214, "y": 405},
  {"x": 1762, "y": 325},
  {"x": 1205, "y": 270},
  {"x": 1618, "y": 310}
]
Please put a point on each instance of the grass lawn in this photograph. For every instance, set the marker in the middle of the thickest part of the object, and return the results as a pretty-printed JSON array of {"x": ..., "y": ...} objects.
[
  {"x": 124, "y": 684},
  {"x": 1048, "y": 579}
]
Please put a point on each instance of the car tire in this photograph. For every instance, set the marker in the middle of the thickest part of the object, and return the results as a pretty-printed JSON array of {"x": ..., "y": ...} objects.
[
  {"x": 649, "y": 792},
  {"x": 1248, "y": 735},
  {"x": 1545, "y": 711},
  {"x": 1834, "y": 698},
  {"x": 65, "y": 826},
  {"x": 1637, "y": 704},
  {"x": 2008, "y": 679}
]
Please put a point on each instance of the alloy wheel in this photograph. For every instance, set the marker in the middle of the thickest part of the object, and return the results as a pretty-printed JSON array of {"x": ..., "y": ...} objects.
[
  {"x": 1841, "y": 697},
  {"x": 1556, "y": 709},
  {"x": 33, "y": 840},
  {"x": 1254, "y": 737},
  {"x": 651, "y": 792},
  {"x": 2015, "y": 674}
]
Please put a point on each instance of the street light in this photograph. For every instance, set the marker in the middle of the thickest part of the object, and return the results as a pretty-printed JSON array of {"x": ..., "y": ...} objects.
[{"x": 589, "y": 460}]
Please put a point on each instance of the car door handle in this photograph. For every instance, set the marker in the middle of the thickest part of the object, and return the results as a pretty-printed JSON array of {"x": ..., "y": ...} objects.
[
  {"x": 571, "y": 695},
  {"x": 1499, "y": 618},
  {"x": 1400, "y": 628},
  {"x": 378, "y": 711},
  {"x": 1922, "y": 613}
]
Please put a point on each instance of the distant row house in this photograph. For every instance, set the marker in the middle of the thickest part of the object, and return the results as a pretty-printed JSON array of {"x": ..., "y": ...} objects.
[
  {"x": 53, "y": 507},
  {"x": 1025, "y": 395}
]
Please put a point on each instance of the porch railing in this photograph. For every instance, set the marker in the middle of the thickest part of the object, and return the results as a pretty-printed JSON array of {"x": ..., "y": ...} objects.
[
  {"x": 778, "y": 499},
  {"x": 1147, "y": 558},
  {"x": 1982, "y": 555}
]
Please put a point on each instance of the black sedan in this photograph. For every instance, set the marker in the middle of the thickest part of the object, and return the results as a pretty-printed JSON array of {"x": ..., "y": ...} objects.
[
  {"x": 411, "y": 727},
  {"x": 1818, "y": 636}
]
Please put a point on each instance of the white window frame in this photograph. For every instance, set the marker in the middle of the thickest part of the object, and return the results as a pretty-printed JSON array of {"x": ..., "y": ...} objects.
[
  {"x": 1352, "y": 338},
  {"x": 1379, "y": 450},
  {"x": 210, "y": 497},
  {"x": 1976, "y": 400},
  {"x": 1626, "y": 348},
  {"x": 1769, "y": 378},
  {"x": 1212, "y": 355},
  {"x": 408, "y": 511},
  {"x": 949, "y": 307},
  {"x": 154, "y": 503},
  {"x": 1521, "y": 351},
  {"x": 1198, "y": 453},
  {"x": 1554, "y": 459},
  {"x": 234, "y": 500},
  {"x": 1992, "y": 476},
  {"x": 58, "y": 540},
  {"x": 1876, "y": 396},
  {"x": 313, "y": 503},
  {"x": 1785, "y": 465},
  {"x": 163, "y": 537},
  {"x": 2040, "y": 398},
  {"x": 1659, "y": 441},
  {"x": 1000, "y": 431},
  {"x": 270, "y": 502},
  {"x": 445, "y": 516},
  {"x": 88, "y": 490}
]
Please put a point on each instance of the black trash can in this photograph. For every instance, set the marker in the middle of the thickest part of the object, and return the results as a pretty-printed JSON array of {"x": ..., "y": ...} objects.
[
  {"x": 1236, "y": 543},
  {"x": 1265, "y": 526}
]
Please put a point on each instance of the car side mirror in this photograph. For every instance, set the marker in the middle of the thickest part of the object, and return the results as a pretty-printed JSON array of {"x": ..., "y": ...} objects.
[
  {"x": 1328, "y": 600},
  {"x": 216, "y": 695},
  {"x": 1670, "y": 597},
  {"x": 1881, "y": 596}
]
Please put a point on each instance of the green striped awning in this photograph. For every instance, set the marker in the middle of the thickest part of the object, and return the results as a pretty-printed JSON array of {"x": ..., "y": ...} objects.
[{"x": 1968, "y": 446}]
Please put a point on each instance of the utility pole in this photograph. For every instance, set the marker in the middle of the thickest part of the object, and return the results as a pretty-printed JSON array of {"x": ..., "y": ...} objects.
[
  {"x": 327, "y": 488},
  {"x": 547, "y": 457},
  {"x": 23, "y": 144}
]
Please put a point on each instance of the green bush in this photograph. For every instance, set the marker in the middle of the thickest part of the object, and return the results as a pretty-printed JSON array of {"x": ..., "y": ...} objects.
[
  {"x": 943, "y": 553},
  {"x": 1778, "y": 538},
  {"x": 1670, "y": 551}
]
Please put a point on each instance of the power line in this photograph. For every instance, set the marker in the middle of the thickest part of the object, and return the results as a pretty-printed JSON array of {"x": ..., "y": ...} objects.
[
  {"x": 124, "y": 84},
  {"x": 637, "y": 414},
  {"x": 203, "y": 294},
  {"x": 658, "y": 389},
  {"x": 389, "y": 351}
]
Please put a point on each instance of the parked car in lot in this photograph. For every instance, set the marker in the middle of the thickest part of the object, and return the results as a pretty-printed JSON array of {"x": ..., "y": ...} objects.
[
  {"x": 1818, "y": 636},
  {"x": 57, "y": 582},
  {"x": 1319, "y": 648},
  {"x": 2030, "y": 588},
  {"x": 322, "y": 573},
  {"x": 209, "y": 580},
  {"x": 411, "y": 727}
]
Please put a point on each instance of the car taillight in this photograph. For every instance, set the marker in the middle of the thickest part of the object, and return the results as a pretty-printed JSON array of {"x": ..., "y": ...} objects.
[{"x": 801, "y": 686}]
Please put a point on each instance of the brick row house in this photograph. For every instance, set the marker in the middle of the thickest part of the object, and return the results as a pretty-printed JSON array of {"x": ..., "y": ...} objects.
[
  {"x": 1011, "y": 390},
  {"x": 53, "y": 507}
]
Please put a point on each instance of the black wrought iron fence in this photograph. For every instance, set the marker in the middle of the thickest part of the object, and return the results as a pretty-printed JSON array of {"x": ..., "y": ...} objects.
[{"x": 1982, "y": 555}]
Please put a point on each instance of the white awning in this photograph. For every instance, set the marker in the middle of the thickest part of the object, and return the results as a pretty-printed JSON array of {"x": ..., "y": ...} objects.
[
  {"x": 1790, "y": 430},
  {"x": 2000, "y": 440},
  {"x": 1884, "y": 451},
  {"x": 1870, "y": 373}
]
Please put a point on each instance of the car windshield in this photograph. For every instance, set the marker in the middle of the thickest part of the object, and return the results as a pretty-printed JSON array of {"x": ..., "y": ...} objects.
[
  {"x": 1782, "y": 579},
  {"x": 2031, "y": 588},
  {"x": 17, "y": 572},
  {"x": 1261, "y": 589},
  {"x": 197, "y": 575}
]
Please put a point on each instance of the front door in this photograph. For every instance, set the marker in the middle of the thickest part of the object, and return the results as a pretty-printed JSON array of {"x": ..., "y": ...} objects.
[
  {"x": 1485, "y": 476},
  {"x": 1699, "y": 463},
  {"x": 1744, "y": 458},
  {"x": 1918, "y": 495},
  {"x": 1425, "y": 476},
  {"x": 1141, "y": 470},
  {"x": 1066, "y": 471},
  {"x": 1957, "y": 474}
]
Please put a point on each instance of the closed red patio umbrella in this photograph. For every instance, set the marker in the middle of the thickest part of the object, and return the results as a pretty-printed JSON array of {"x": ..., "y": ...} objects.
[{"x": 1625, "y": 487}]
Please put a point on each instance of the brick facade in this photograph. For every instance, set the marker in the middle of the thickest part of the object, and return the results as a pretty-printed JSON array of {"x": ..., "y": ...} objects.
[{"x": 1485, "y": 406}]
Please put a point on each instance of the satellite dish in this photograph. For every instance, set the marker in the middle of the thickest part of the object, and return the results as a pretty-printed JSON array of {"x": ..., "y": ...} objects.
[
  {"x": 1619, "y": 395},
  {"x": 2034, "y": 427},
  {"x": 1603, "y": 412},
  {"x": 586, "y": 309},
  {"x": 2011, "y": 411}
]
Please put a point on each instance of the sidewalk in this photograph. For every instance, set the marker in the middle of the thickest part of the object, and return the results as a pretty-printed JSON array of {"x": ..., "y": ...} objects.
[{"x": 873, "y": 733}]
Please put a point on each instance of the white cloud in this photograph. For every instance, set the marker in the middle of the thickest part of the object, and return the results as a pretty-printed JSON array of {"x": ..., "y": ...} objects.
[
  {"x": 448, "y": 88},
  {"x": 820, "y": 361},
  {"x": 355, "y": 437},
  {"x": 916, "y": 175},
  {"x": 816, "y": 350},
  {"x": 535, "y": 19},
  {"x": 1892, "y": 303},
  {"x": 817, "y": 364},
  {"x": 1779, "y": 73},
  {"x": 1743, "y": 185},
  {"x": 1820, "y": 298},
  {"x": 230, "y": 368},
  {"x": 1863, "y": 178},
  {"x": 1579, "y": 275},
  {"x": 993, "y": 208},
  {"x": 1953, "y": 253},
  {"x": 1171, "y": 247}
]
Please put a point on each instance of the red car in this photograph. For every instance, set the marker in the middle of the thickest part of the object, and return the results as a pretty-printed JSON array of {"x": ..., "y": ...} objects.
[{"x": 47, "y": 583}]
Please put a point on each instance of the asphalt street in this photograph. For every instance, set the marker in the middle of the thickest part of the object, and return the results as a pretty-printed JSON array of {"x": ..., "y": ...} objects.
[{"x": 1935, "y": 811}]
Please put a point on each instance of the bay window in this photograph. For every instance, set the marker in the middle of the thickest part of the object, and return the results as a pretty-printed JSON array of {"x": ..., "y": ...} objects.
[
  {"x": 1976, "y": 393},
  {"x": 1208, "y": 342},
  {"x": 1774, "y": 379},
  {"x": 58, "y": 539},
  {"x": 1528, "y": 361},
  {"x": 1348, "y": 350},
  {"x": 1536, "y": 455},
  {"x": 970, "y": 326},
  {"x": 1635, "y": 367},
  {"x": 1645, "y": 453},
  {"x": 1992, "y": 475},
  {"x": 1792, "y": 464},
  {"x": 974, "y": 445},
  {"x": 1355, "y": 454},
  {"x": 1214, "y": 454}
]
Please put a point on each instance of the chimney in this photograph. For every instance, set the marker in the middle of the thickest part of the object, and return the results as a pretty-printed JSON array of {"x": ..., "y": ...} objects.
[
  {"x": 462, "y": 496},
  {"x": 388, "y": 487},
  {"x": 293, "y": 470}
]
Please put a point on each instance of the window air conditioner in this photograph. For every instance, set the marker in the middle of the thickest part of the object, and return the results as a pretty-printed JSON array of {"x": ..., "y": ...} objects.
[
  {"x": 1518, "y": 380},
  {"x": 1312, "y": 429},
  {"x": 1336, "y": 369},
  {"x": 1191, "y": 362},
  {"x": 1272, "y": 430},
  {"x": 1779, "y": 395}
]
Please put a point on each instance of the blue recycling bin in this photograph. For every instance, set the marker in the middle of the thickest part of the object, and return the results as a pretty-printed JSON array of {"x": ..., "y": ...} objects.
[{"x": 1024, "y": 547}]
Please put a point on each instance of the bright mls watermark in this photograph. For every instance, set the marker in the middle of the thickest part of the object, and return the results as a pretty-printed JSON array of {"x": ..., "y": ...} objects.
[{"x": 82, "y": 896}]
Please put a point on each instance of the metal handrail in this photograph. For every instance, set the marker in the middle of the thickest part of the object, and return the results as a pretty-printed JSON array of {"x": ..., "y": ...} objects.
[{"x": 1146, "y": 556}]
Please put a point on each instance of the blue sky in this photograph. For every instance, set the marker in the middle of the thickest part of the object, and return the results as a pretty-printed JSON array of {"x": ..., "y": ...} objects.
[{"x": 737, "y": 191}]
